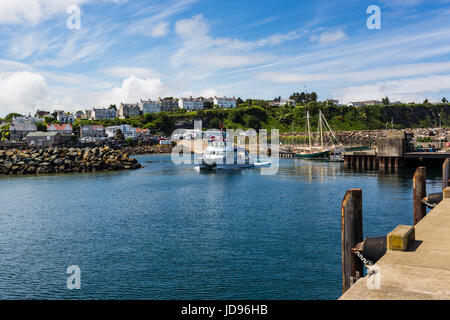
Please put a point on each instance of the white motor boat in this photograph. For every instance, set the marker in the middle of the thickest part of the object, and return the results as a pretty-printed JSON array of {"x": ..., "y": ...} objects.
[
  {"x": 222, "y": 155},
  {"x": 337, "y": 156}
]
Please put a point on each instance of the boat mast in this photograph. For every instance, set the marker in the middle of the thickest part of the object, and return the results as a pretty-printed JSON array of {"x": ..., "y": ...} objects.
[
  {"x": 309, "y": 131},
  {"x": 321, "y": 127},
  {"x": 332, "y": 133}
]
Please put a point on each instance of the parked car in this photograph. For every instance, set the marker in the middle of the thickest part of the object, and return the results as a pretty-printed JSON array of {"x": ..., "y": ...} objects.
[{"x": 165, "y": 142}]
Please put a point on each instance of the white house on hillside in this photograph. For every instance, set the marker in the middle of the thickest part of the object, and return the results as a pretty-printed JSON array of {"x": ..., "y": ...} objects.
[
  {"x": 282, "y": 102},
  {"x": 127, "y": 130},
  {"x": 225, "y": 102},
  {"x": 191, "y": 103},
  {"x": 63, "y": 117},
  {"x": 364, "y": 103}
]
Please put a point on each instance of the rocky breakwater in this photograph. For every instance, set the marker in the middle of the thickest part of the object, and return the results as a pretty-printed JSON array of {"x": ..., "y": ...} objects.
[{"x": 64, "y": 160}]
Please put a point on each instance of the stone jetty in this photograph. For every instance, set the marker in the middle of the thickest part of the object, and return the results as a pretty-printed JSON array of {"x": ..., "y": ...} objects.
[
  {"x": 154, "y": 149},
  {"x": 64, "y": 160},
  {"x": 367, "y": 137}
]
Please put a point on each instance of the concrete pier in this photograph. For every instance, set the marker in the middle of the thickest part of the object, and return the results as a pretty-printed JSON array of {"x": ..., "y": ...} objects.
[
  {"x": 420, "y": 272},
  {"x": 392, "y": 153}
]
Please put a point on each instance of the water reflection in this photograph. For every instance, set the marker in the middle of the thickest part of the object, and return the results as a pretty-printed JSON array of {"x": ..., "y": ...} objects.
[{"x": 167, "y": 232}]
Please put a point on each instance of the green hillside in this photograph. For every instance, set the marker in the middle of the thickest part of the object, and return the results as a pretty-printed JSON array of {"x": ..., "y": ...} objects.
[{"x": 290, "y": 118}]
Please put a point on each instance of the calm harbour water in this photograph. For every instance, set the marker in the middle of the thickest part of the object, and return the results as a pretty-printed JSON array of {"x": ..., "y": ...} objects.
[{"x": 168, "y": 232}]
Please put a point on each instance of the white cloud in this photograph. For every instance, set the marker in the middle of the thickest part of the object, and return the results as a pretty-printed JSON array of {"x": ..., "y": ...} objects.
[
  {"x": 25, "y": 46},
  {"x": 32, "y": 11},
  {"x": 210, "y": 93},
  {"x": 403, "y": 90},
  {"x": 202, "y": 51},
  {"x": 21, "y": 92},
  {"x": 221, "y": 61},
  {"x": 133, "y": 89},
  {"x": 206, "y": 93},
  {"x": 278, "y": 38},
  {"x": 193, "y": 28},
  {"x": 124, "y": 72},
  {"x": 280, "y": 77},
  {"x": 160, "y": 30},
  {"x": 385, "y": 73},
  {"x": 155, "y": 13},
  {"x": 36, "y": 11},
  {"x": 78, "y": 47},
  {"x": 264, "y": 21},
  {"x": 8, "y": 66},
  {"x": 328, "y": 36}
]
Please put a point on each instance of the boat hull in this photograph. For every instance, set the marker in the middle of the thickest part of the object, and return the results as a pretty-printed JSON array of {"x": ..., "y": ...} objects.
[
  {"x": 226, "y": 166},
  {"x": 314, "y": 155}
]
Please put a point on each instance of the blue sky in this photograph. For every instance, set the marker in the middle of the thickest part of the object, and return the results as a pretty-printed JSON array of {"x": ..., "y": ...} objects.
[{"x": 127, "y": 50}]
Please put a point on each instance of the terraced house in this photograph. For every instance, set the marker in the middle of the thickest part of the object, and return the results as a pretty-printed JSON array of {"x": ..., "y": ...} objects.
[
  {"x": 127, "y": 110},
  {"x": 191, "y": 103},
  {"x": 102, "y": 114},
  {"x": 92, "y": 131},
  {"x": 225, "y": 102},
  {"x": 150, "y": 106},
  {"x": 168, "y": 104}
]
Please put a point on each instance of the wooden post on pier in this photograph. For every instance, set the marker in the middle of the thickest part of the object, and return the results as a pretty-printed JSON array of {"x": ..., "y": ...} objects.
[
  {"x": 445, "y": 173},
  {"x": 351, "y": 235},
  {"x": 396, "y": 163},
  {"x": 419, "y": 192},
  {"x": 381, "y": 163}
]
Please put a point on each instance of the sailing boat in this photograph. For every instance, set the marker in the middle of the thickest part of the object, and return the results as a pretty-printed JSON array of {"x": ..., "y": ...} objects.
[{"x": 318, "y": 151}]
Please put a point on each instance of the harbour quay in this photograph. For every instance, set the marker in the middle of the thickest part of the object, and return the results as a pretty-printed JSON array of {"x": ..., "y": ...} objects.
[
  {"x": 395, "y": 150},
  {"x": 409, "y": 263}
]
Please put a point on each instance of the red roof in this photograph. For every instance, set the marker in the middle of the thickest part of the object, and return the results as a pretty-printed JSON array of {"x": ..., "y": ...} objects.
[
  {"x": 93, "y": 127},
  {"x": 59, "y": 127},
  {"x": 140, "y": 130}
]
